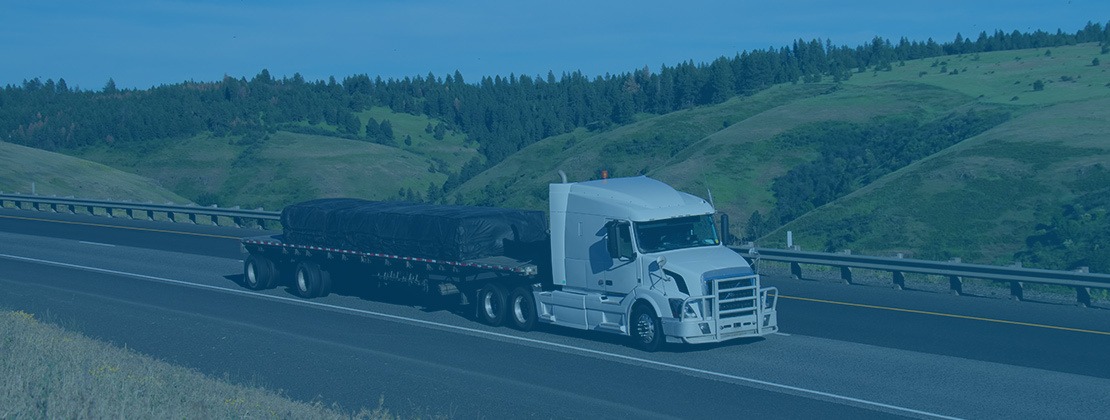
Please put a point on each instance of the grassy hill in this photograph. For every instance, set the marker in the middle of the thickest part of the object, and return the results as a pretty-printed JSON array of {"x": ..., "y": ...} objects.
[
  {"x": 286, "y": 167},
  {"x": 978, "y": 200},
  {"x": 61, "y": 175},
  {"x": 729, "y": 148}
]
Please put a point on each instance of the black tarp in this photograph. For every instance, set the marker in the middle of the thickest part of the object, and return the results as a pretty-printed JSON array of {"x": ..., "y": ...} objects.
[{"x": 453, "y": 233}]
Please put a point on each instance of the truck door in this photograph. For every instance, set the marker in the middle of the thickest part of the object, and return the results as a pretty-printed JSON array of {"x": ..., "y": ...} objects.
[{"x": 622, "y": 274}]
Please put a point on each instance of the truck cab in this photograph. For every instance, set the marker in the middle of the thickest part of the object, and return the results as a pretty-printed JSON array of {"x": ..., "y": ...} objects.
[{"x": 634, "y": 256}]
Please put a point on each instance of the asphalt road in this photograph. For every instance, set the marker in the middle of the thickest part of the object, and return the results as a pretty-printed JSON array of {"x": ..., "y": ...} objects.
[{"x": 169, "y": 290}]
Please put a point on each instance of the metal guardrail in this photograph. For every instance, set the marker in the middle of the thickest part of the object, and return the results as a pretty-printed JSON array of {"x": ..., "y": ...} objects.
[
  {"x": 236, "y": 216},
  {"x": 956, "y": 271}
]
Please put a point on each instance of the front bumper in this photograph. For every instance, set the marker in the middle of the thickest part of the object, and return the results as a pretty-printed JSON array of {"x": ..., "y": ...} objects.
[{"x": 725, "y": 316}]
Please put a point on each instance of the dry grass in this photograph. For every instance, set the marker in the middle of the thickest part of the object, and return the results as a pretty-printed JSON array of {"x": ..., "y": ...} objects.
[{"x": 48, "y": 372}]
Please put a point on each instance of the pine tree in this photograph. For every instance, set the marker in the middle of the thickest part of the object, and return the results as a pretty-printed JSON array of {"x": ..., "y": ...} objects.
[
  {"x": 386, "y": 132},
  {"x": 373, "y": 130}
]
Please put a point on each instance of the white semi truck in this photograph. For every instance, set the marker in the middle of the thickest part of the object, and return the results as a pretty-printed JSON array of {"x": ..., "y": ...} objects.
[{"x": 629, "y": 256}]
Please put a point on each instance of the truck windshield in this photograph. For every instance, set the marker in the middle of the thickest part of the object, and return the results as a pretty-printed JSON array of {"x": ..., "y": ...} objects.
[{"x": 677, "y": 233}]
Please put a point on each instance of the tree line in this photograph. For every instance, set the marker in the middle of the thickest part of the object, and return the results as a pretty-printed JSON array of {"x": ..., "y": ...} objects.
[{"x": 502, "y": 114}]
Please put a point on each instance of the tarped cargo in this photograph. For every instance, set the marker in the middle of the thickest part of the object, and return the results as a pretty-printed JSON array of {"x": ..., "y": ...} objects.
[{"x": 453, "y": 233}]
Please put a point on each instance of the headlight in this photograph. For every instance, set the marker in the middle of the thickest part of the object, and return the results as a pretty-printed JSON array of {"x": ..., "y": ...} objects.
[{"x": 689, "y": 310}]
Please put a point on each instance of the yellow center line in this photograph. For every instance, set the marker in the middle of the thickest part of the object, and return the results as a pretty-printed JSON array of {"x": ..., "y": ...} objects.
[
  {"x": 973, "y": 318},
  {"x": 207, "y": 235}
]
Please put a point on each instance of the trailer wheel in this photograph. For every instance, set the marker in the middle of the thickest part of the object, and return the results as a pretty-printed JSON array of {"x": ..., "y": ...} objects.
[
  {"x": 309, "y": 280},
  {"x": 522, "y": 309},
  {"x": 646, "y": 329},
  {"x": 259, "y": 273},
  {"x": 491, "y": 304}
]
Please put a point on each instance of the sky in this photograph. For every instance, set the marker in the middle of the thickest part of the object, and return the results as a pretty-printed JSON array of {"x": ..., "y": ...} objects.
[{"x": 140, "y": 44}]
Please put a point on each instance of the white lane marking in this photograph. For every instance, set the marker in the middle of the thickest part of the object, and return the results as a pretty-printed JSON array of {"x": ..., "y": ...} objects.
[
  {"x": 95, "y": 243},
  {"x": 800, "y": 390},
  {"x": 781, "y": 333}
]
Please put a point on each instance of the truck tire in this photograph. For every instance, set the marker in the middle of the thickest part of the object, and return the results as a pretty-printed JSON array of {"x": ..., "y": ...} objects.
[
  {"x": 522, "y": 309},
  {"x": 309, "y": 280},
  {"x": 259, "y": 273},
  {"x": 492, "y": 304},
  {"x": 645, "y": 328}
]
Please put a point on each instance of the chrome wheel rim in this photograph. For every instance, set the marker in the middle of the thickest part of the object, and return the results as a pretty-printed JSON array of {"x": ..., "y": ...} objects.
[
  {"x": 489, "y": 305},
  {"x": 252, "y": 278},
  {"x": 645, "y": 329},
  {"x": 302, "y": 284},
  {"x": 519, "y": 311}
]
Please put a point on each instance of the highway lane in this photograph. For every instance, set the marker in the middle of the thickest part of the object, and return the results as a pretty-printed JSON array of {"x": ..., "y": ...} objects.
[
  {"x": 832, "y": 347},
  {"x": 810, "y": 308},
  {"x": 353, "y": 359}
]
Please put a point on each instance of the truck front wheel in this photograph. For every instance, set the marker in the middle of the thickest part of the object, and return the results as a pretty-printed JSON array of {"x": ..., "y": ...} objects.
[
  {"x": 259, "y": 273},
  {"x": 522, "y": 309},
  {"x": 491, "y": 304},
  {"x": 310, "y": 281},
  {"x": 646, "y": 328}
]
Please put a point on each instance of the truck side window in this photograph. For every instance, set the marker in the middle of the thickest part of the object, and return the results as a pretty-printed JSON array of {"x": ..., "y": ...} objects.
[{"x": 620, "y": 240}]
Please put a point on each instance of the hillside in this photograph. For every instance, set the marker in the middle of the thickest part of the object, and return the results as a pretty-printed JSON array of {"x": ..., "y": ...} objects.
[
  {"x": 273, "y": 171},
  {"x": 978, "y": 200},
  {"x": 982, "y": 198},
  {"x": 61, "y": 175},
  {"x": 729, "y": 148}
]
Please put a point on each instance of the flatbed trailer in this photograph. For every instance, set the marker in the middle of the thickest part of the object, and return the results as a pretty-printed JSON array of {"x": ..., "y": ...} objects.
[{"x": 309, "y": 268}]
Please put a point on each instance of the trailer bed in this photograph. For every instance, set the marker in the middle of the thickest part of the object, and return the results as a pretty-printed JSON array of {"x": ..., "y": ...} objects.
[{"x": 500, "y": 264}]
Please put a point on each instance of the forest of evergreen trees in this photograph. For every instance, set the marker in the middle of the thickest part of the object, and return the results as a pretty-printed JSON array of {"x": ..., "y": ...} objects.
[{"x": 501, "y": 114}]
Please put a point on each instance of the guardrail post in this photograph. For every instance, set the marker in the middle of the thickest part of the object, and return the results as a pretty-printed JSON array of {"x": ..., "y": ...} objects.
[
  {"x": 108, "y": 210},
  {"x": 796, "y": 270},
  {"x": 898, "y": 279},
  {"x": 54, "y": 207},
  {"x": 130, "y": 214},
  {"x": 1083, "y": 296},
  {"x": 956, "y": 284},
  {"x": 170, "y": 215},
  {"x": 238, "y": 221},
  {"x": 149, "y": 215},
  {"x": 193, "y": 218},
  {"x": 1017, "y": 290},
  {"x": 846, "y": 274},
  {"x": 36, "y": 206}
]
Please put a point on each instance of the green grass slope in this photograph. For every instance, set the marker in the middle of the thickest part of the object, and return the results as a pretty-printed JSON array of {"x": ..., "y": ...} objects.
[
  {"x": 61, "y": 175},
  {"x": 284, "y": 168},
  {"x": 728, "y": 148},
  {"x": 977, "y": 200},
  {"x": 980, "y": 199},
  {"x": 643, "y": 147}
]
